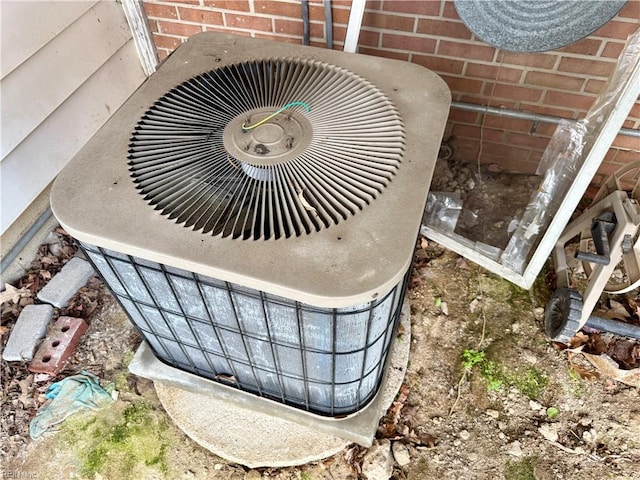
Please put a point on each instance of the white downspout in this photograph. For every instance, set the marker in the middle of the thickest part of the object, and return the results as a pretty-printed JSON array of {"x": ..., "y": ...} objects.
[{"x": 353, "y": 27}]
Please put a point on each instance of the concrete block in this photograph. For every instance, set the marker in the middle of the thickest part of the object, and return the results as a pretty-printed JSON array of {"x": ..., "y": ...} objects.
[
  {"x": 66, "y": 283},
  {"x": 378, "y": 461},
  {"x": 61, "y": 342},
  {"x": 28, "y": 330}
]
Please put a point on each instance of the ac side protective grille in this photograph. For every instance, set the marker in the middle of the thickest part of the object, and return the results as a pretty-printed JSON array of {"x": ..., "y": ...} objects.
[{"x": 329, "y": 361}]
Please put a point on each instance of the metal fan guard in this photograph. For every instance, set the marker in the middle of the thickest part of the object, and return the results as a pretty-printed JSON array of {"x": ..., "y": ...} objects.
[{"x": 196, "y": 157}]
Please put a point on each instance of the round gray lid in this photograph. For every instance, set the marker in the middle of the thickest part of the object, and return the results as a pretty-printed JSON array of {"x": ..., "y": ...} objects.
[{"x": 535, "y": 25}]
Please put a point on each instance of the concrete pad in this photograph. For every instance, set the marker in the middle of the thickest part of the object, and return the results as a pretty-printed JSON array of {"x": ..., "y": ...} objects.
[
  {"x": 258, "y": 432},
  {"x": 27, "y": 332},
  {"x": 241, "y": 436},
  {"x": 66, "y": 283}
]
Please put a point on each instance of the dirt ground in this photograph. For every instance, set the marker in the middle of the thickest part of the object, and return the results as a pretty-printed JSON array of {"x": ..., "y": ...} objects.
[
  {"x": 486, "y": 395},
  {"x": 492, "y": 201}
]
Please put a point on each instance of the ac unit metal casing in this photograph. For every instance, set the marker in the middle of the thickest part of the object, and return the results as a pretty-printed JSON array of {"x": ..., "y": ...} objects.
[{"x": 176, "y": 282}]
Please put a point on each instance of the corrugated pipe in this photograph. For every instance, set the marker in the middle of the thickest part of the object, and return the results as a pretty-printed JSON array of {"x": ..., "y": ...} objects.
[{"x": 535, "y": 117}]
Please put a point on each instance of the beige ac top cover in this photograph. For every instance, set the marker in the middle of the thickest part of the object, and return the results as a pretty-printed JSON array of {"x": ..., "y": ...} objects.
[{"x": 348, "y": 262}]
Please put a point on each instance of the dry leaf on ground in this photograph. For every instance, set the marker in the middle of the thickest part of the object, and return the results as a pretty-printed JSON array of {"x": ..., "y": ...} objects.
[{"x": 12, "y": 294}]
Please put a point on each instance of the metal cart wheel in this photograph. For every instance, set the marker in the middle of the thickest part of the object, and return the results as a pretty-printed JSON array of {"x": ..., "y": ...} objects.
[
  {"x": 562, "y": 315},
  {"x": 626, "y": 179}
]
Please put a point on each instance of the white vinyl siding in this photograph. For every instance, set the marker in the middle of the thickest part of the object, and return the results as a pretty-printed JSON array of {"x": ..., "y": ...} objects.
[{"x": 66, "y": 67}]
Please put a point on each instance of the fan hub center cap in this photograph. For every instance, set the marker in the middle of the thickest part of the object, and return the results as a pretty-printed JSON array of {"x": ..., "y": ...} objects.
[
  {"x": 278, "y": 139},
  {"x": 268, "y": 133}
]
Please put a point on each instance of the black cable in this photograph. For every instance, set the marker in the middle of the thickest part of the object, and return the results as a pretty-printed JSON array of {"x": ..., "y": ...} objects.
[
  {"x": 305, "y": 22},
  {"x": 328, "y": 24}
]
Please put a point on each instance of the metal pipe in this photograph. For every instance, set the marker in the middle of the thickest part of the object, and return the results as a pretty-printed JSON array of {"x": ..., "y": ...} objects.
[
  {"x": 328, "y": 24},
  {"x": 26, "y": 238},
  {"x": 305, "y": 22},
  {"x": 614, "y": 326},
  {"x": 535, "y": 117}
]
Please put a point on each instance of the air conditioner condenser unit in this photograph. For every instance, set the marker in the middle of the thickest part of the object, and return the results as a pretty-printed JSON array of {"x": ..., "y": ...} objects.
[{"x": 254, "y": 207}]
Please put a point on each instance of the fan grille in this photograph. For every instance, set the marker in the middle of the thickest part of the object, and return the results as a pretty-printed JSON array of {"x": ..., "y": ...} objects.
[{"x": 197, "y": 158}]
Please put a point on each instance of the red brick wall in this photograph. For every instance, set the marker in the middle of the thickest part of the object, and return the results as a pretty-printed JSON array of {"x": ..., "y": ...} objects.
[{"x": 563, "y": 82}]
